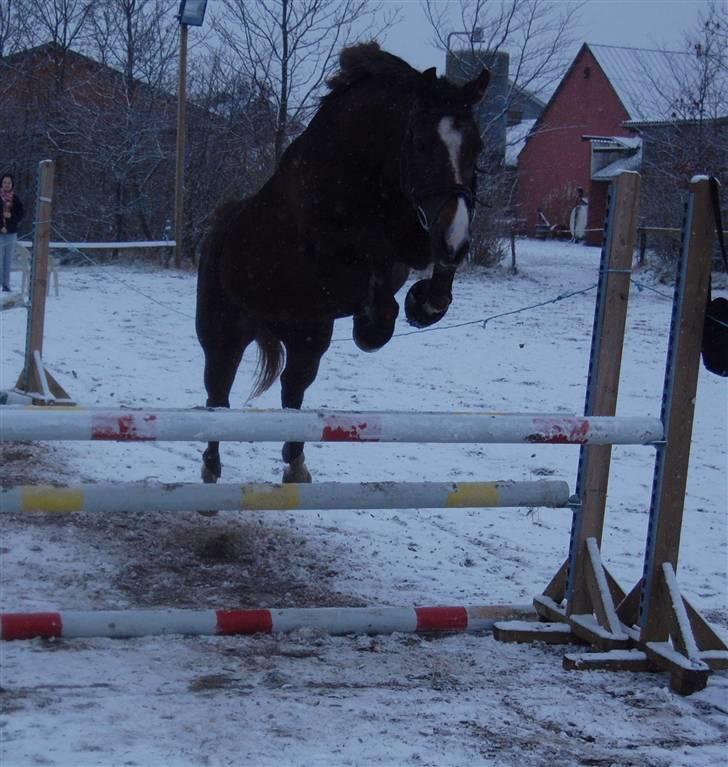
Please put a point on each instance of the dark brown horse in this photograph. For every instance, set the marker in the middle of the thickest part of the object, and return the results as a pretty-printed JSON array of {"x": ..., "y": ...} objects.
[{"x": 381, "y": 181}]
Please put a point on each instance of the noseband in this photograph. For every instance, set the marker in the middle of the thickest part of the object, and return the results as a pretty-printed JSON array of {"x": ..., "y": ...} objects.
[
  {"x": 418, "y": 197},
  {"x": 456, "y": 191}
]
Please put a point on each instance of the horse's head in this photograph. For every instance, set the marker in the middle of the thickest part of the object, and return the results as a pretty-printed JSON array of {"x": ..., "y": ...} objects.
[{"x": 439, "y": 156}]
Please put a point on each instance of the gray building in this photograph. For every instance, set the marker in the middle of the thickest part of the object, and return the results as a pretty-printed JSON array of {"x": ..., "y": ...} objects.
[{"x": 505, "y": 104}]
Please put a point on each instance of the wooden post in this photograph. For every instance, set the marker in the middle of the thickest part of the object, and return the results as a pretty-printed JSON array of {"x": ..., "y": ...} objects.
[
  {"x": 29, "y": 379},
  {"x": 514, "y": 268},
  {"x": 678, "y": 406},
  {"x": 34, "y": 377},
  {"x": 181, "y": 143},
  {"x": 604, "y": 369}
]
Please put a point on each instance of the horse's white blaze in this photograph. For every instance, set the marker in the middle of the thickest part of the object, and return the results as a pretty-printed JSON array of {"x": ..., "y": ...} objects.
[{"x": 458, "y": 232}]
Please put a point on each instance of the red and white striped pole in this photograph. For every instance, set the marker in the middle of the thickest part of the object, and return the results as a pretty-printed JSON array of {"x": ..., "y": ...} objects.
[
  {"x": 38, "y": 423},
  {"x": 329, "y": 620}
]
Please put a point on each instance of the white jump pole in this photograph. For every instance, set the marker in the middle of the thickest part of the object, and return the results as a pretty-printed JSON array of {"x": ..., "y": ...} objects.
[
  {"x": 329, "y": 620},
  {"x": 111, "y": 497},
  {"x": 38, "y": 423}
]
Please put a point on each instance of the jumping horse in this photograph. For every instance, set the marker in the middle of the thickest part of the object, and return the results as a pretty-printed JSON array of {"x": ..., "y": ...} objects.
[{"x": 380, "y": 182}]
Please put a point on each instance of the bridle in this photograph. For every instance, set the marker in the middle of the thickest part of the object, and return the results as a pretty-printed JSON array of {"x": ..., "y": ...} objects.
[{"x": 417, "y": 197}]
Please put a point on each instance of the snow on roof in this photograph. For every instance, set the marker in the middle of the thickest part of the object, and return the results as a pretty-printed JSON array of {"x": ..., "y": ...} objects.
[
  {"x": 516, "y": 139},
  {"x": 613, "y": 154},
  {"x": 628, "y": 162},
  {"x": 659, "y": 85},
  {"x": 645, "y": 80},
  {"x": 615, "y": 142}
]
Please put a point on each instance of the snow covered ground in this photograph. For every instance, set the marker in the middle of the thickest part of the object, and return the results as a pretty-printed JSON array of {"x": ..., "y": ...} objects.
[{"x": 124, "y": 336}]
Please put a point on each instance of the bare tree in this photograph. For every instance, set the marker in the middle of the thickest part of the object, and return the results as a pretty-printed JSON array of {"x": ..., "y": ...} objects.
[
  {"x": 121, "y": 132},
  {"x": 287, "y": 48},
  {"x": 138, "y": 38},
  {"x": 231, "y": 135},
  {"x": 14, "y": 28},
  {"x": 62, "y": 23},
  {"x": 536, "y": 34},
  {"x": 687, "y": 133}
]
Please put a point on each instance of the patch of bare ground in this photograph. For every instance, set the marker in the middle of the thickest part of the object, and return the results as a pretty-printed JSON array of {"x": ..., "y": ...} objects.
[{"x": 183, "y": 560}]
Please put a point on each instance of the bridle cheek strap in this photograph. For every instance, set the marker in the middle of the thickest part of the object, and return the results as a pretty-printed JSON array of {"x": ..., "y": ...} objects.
[{"x": 458, "y": 191}]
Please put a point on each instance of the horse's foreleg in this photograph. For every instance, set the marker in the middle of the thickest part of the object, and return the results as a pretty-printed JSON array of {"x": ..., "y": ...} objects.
[
  {"x": 428, "y": 300},
  {"x": 305, "y": 344},
  {"x": 374, "y": 326}
]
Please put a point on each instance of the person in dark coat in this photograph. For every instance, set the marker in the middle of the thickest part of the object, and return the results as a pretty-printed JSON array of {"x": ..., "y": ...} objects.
[{"x": 12, "y": 214}]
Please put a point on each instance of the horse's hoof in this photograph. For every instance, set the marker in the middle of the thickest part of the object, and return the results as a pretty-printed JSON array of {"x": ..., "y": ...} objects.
[
  {"x": 211, "y": 467},
  {"x": 369, "y": 337},
  {"x": 374, "y": 327},
  {"x": 417, "y": 308},
  {"x": 296, "y": 472},
  {"x": 208, "y": 476}
]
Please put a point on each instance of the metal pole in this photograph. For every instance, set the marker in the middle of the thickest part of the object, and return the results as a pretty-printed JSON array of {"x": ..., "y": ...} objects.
[{"x": 181, "y": 142}]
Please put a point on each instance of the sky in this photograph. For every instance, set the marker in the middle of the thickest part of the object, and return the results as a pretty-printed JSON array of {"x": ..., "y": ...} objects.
[{"x": 635, "y": 23}]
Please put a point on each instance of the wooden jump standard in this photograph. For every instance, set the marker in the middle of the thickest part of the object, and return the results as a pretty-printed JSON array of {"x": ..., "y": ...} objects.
[{"x": 657, "y": 626}]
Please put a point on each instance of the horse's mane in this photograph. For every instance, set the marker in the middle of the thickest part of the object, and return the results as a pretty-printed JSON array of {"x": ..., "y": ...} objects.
[{"x": 366, "y": 61}]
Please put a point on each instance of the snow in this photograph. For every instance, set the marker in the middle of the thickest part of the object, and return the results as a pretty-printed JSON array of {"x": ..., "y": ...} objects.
[
  {"x": 516, "y": 136},
  {"x": 124, "y": 336}
]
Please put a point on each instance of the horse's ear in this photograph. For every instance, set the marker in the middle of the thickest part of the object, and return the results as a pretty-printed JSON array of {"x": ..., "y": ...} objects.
[
  {"x": 430, "y": 75},
  {"x": 475, "y": 89}
]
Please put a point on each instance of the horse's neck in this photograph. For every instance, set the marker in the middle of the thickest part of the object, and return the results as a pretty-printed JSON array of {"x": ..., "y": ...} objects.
[{"x": 366, "y": 130}]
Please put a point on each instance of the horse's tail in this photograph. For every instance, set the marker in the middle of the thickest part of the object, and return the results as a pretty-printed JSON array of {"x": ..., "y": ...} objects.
[{"x": 270, "y": 359}]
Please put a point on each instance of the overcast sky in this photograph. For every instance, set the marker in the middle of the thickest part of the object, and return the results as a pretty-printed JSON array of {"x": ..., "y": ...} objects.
[{"x": 635, "y": 23}]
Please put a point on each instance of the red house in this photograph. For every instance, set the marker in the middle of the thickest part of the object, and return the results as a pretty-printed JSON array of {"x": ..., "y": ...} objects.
[{"x": 580, "y": 141}]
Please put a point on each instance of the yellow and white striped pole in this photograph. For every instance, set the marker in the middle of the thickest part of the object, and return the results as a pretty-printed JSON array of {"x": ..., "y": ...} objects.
[{"x": 137, "y": 497}]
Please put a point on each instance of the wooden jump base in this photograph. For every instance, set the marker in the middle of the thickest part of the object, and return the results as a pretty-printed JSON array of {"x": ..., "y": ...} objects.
[
  {"x": 111, "y": 497},
  {"x": 330, "y": 620},
  {"x": 653, "y": 626},
  {"x": 53, "y": 423}
]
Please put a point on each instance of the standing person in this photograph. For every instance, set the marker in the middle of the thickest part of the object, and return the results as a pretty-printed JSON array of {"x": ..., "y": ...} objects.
[{"x": 12, "y": 214}]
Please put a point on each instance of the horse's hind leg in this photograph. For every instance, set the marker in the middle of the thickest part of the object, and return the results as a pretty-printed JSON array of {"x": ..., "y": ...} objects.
[
  {"x": 223, "y": 353},
  {"x": 305, "y": 344}
]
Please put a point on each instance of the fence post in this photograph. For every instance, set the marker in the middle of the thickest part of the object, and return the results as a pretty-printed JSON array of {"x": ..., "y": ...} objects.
[
  {"x": 29, "y": 378},
  {"x": 643, "y": 242},
  {"x": 35, "y": 378},
  {"x": 514, "y": 267}
]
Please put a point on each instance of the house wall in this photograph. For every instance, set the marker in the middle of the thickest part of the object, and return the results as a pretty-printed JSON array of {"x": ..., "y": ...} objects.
[{"x": 555, "y": 161}]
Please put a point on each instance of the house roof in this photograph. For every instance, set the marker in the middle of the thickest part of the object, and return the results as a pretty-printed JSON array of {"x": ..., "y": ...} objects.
[
  {"x": 645, "y": 81},
  {"x": 641, "y": 78},
  {"x": 651, "y": 83}
]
